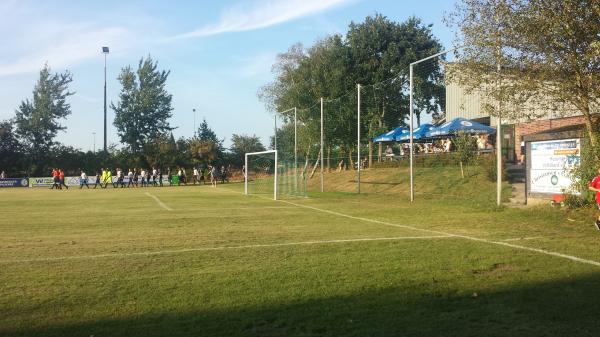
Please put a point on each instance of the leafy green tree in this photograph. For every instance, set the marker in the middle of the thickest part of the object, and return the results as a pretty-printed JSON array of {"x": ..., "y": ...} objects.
[
  {"x": 144, "y": 107},
  {"x": 532, "y": 53},
  {"x": 466, "y": 146},
  {"x": 242, "y": 144},
  {"x": 375, "y": 51},
  {"x": 11, "y": 151},
  {"x": 205, "y": 147},
  {"x": 38, "y": 121}
]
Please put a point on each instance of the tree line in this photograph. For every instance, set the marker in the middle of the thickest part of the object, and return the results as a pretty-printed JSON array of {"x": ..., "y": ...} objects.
[
  {"x": 28, "y": 145},
  {"x": 376, "y": 54}
]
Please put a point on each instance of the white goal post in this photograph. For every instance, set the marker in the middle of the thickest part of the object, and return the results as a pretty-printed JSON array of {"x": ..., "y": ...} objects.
[{"x": 274, "y": 169}]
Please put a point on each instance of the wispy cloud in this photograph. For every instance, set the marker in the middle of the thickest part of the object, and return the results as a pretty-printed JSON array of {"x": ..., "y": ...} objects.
[
  {"x": 66, "y": 46},
  {"x": 262, "y": 14}
]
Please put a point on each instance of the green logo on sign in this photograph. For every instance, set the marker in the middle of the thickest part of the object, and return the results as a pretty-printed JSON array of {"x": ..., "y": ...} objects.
[{"x": 554, "y": 180}]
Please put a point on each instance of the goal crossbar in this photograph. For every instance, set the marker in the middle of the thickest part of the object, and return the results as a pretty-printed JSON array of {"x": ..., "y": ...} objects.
[{"x": 246, "y": 171}]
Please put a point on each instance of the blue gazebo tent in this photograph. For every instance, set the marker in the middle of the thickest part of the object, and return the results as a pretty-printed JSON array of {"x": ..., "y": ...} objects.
[
  {"x": 418, "y": 133},
  {"x": 460, "y": 124},
  {"x": 390, "y": 136}
]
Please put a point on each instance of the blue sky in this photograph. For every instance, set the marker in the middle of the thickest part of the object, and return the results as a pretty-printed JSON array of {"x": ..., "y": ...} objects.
[{"x": 219, "y": 52}]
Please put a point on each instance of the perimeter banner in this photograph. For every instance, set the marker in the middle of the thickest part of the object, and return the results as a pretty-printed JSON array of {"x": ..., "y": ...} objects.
[
  {"x": 551, "y": 165},
  {"x": 14, "y": 182},
  {"x": 41, "y": 182}
]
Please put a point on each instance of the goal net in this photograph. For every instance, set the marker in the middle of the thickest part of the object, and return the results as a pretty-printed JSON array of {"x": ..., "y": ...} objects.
[{"x": 268, "y": 176}]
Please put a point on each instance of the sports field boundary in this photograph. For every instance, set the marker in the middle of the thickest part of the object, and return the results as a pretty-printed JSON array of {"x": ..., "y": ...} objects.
[
  {"x": 466, "y": 237},
  {"x": 160, "y": 203},
  {"x": 204, "y": 249}
]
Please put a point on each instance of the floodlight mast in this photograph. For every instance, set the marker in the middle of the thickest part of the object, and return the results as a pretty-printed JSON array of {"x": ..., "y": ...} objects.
[
  {"x": 412, "y": 187},
  {"x": 105, "y": 51}
]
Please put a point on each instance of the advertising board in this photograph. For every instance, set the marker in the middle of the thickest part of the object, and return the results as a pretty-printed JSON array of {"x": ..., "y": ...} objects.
[
  {"x": 14, "y": 182},
  {"x": 551, "y": 164}
]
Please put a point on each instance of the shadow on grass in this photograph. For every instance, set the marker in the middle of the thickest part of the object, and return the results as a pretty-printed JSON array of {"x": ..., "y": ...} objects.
[{"x": 561, "y": 308}]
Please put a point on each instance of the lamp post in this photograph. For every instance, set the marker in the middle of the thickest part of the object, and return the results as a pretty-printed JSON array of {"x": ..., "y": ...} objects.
[
  {"x": 105, "y": 52},
  {"x": 194, "y": 111},
  {"x": 94, "y": 135}
]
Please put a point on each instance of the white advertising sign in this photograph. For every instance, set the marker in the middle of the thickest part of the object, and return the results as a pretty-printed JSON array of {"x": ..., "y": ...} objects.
[{"x": 551, "y": 165}]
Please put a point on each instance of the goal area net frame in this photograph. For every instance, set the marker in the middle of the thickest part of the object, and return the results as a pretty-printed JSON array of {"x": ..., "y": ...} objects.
[{"x": 246, "y": 171}]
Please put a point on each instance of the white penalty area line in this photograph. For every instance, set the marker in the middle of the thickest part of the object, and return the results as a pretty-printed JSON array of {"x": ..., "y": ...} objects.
[
  {"x": 160, "y": 203},
  {"x": 204, "y": 249},
  {"x": 472, "y": 238}
]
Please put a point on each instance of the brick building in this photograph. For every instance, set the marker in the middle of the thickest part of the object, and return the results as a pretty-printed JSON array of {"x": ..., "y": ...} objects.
[{"x": 460, "y": 103}]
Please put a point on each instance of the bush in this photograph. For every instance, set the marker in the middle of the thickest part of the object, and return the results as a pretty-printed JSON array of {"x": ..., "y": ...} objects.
[
  {"x": 576, "y": 201},
  {"x": 488, "y": 165}
]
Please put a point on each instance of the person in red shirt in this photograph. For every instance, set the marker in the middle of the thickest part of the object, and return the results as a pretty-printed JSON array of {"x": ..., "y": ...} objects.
[
  {"x": 55, "y": 179},
  {"x": 62, "y": 179},
  {"x": 595, "y": 186}
]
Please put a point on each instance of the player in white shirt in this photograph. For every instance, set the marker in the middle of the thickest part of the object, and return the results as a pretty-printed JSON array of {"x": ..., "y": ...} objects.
[
  {"x": 195, "y": 176},
  {"x": 143, "y": 175},
  {"x": 83, "y": 180}
]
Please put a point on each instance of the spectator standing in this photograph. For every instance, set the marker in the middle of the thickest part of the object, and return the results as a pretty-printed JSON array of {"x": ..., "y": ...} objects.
[
  {"x": 195, "y": 176},
  {"x": 143, "y": 176},
  {"x": 154, "y": 176},
  {"x": 213, "y": 176},
  {"x": 223, "y": 174},
  {"x": 83, "y": 180},
  {"x": 135, "y": 177},
  {"x": 98, "y": 178},
  {"x": 129, "y": 178}
]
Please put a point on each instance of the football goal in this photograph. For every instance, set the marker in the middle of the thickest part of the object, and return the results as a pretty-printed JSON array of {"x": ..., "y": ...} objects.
[{"x": 265, "y": 174}]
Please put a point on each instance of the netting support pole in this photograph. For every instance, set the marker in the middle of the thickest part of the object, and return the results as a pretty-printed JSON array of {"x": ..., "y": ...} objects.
[
  {"x": 358, "y": 143},
  {"x": 275, "y": 134},
  {"x": 322, "y": 153},
  {"x": 245, "y": 174},
  {"x": 296, "y": 149},
  {"x": 275, "y": 178},
  {"x": 410, "y": 148}
]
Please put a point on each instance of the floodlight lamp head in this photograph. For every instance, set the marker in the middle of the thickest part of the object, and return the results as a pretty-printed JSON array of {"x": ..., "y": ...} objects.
[{"x": 105, "y": 50}]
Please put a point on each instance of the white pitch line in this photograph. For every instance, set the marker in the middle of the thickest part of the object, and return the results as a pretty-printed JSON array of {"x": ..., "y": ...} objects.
[
  {"x": 201, "y": 249},
  {"x": 500, "y": 243},
  {"x": 160, "y": 203},
  {"x": 527, "y": 238},
  {"x": 472, "y": 238}
]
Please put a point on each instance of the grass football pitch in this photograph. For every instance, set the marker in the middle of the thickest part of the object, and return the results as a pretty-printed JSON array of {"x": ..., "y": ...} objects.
[{"x": 199, "y": 261}]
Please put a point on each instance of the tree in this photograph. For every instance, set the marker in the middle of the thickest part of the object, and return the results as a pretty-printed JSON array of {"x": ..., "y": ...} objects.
[
  {"x": 525, "y": 53},
  {"x": 144, "y": 107},
  {"x": 242, "y": 144},
  {"x": 38, "y": 121},
  {"x": 375, "y": 53},
  {"x": 466, "y": 146},
  {"x": 205, "y": 147},
  {"x": 11, "y": 151}
]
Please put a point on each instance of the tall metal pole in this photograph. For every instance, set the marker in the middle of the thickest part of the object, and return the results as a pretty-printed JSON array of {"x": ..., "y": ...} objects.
[
  {"x": 410, "y": 104},
  {"x": 296, "y": 148},
  {"x": 275, "y": 178},
  {"x": 322, "y": 153},
  {"x": 194, "y": 111},
  {"x": 245, "y": 174},
  {"x": 94, "y": 134},
  {"x": 358, "y": 138},
  {"x": 104, "y": 102},
  {"x": 499, "y": 151},
  {"x": 275, "y": 134},
  {"x": 412, "y": 185}
]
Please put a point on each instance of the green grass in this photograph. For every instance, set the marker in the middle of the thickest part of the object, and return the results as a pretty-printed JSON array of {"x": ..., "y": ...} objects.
[{"x": 113, "y": 263}]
